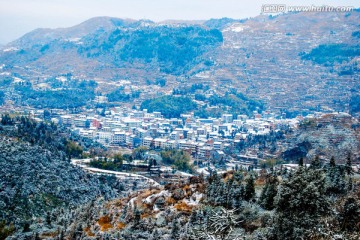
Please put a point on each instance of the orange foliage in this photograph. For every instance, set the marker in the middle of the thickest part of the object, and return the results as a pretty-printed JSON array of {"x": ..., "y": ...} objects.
[
  {"x": 105, "y": 223},
  {"x": 121, "y": 226},
  {"x": 260, "y": 182},
  {"x": 49, "y": 235},
  {"x": 228, "y": 176},
  {"x": 183, "y": 207},
  {"x": 170, "y": 201},
  {"x": 89, "y": 232},
  {"x": 145, "y": 215}
]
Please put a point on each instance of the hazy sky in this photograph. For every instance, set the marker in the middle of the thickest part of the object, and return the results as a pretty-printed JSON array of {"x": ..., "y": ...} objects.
[{"x": 18, "y": 17}]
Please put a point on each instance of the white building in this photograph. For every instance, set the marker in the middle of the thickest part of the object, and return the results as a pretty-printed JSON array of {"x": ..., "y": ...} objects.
[
  {"x": 147, "y": 141},
  {"x": 119, "y": 137},
  {"x": 227, "y": 118}
]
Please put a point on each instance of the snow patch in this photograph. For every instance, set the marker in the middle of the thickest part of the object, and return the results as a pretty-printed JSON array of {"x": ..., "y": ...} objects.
[
  {"x": 73, "y": 39},
  {"x": 131, "y": 203},
  {"x": 10, "y": 49},
  {"x": 62, "y": 79},
  {"x": 191, "y": 202},
  {"x": 235, "y": 28},
  {"x": 150, "y": 199},
  {"x": 17, "y": 80}
]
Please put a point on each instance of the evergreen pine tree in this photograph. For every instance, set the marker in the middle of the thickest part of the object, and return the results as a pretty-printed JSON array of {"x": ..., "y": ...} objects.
[
  {"x": 332, "y": 162},
  {"x": 61, "y": 235},
  {"x": 249, "y": 188},
  {"x": 174, "y": 229},
  {"x": 350, "y": 184},
  {"x": 301, "y": 162},
  {"x": 48, "y": 219},
  {"x": 263, "y": 193},
  {"x": 348, "y": 166},
  {"x": 315, "y": 164},
  {"x": 193, "y": 217},
  {"x": 300, "y": 204},
  {"x": 349, "y": 218},
  {"x": 238, "y": 196},
  {"x": 269, "y": 193},
  {"x": 137, "y": 217},
  {"x": 335, "y": 178},
  {"x": 37, "y": 237}
]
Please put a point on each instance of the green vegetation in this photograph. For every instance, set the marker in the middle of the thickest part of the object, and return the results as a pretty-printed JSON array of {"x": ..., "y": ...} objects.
[
  {"x": 2, "y": 95},
  {"x": 236, "y": 103},
  {"x": 220, "y": 23},
  {"x": 268, "y": 194},
  {"x": 169, "y": 106},
  {"x": 190, "y": 90},
  {"x": 175, "y": 49},
  {"x": 308, "y": 203},
  {"x": 74, "y": 95},
  {"x": 5, "y": 81},
  {"x": 356, "y": 34},
  {"x": 177, "y": 158},
  {"x": 332, "y": 53},
  {"x": 73, "y": 149},
  {"x": 50, "y": 136},
  {"x": 120, "y": 96},
  {"x": 38, "y": 176},
  {"x": 300, "y": 204},
  {"x": 5, "y": 230},
  {"x": 138, "y": 153},
  {"x": 114, "y": 164},
  {"x": 354, "y": 104},
  {"x": 6, "y": 119},
  {"x": 172, "y": 106}
]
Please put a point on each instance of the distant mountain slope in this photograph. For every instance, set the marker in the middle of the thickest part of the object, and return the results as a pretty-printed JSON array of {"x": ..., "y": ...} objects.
[
  {"x": 263, "y": 57},
  {"x": 91, "y": 26},
  {"x": 113, "y": 43}
]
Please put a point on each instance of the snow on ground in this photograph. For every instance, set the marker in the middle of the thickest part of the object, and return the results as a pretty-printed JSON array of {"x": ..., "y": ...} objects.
[
  {"x": 150, "y": 199},
  {"x": 203, "y": 171},
  {"x": 131, "y": 203},
  {"x": 184, "y": 174},
  {"x": 117, "y": 174},
  {"x": 235, "y": 28},
  {"x": 17, "y": 80},
  {"x": 197, "y": 196},
  {"x": 10, "y": 49},
  {"x": 62, "y": 79}
]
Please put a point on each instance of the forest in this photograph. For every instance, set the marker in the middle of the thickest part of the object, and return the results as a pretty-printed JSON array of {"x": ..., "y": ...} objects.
[
  {"x": 175, "y": 50},
  {"x": 332, "y": 53},
  {"x": 169, "y": 106},
  {"x": 72, "y": 95}
]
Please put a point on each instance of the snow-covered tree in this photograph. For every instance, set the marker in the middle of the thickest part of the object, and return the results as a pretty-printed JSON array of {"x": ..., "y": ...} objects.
[{"x": 300, "y": 203}]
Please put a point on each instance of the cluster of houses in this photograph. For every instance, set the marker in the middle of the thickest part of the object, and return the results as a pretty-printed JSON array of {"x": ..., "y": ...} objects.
[{"x": 202, "y": 138}]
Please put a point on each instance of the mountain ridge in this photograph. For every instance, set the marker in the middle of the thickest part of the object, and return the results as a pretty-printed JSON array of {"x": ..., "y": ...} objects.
[{"x": 263, "y": 57}]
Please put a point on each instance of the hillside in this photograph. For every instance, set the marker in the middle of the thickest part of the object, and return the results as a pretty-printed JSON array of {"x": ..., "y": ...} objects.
[
  {"x": 232, "y": 205},
  {"x": 37, "y": 178},
  {"x": 295, "y": 67},
  {"x": 333, "y": 135}
]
